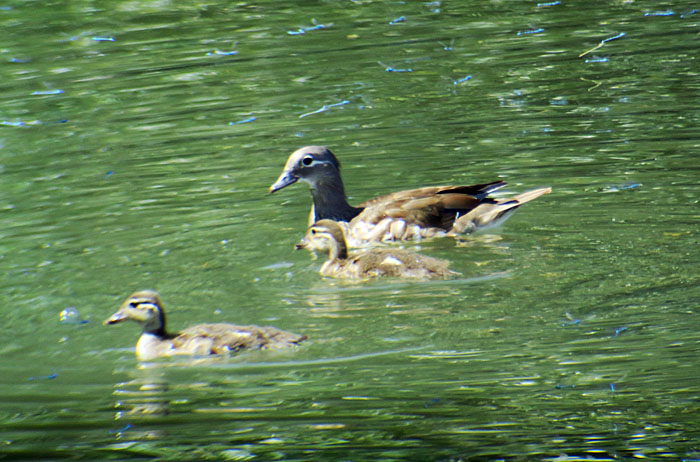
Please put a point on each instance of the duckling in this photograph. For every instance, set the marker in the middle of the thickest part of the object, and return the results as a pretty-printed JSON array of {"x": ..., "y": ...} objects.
[
  {"x": 327, "y": 235},
  {"x": 404, "y": 215},
  {"x": 146, "y": 308}
]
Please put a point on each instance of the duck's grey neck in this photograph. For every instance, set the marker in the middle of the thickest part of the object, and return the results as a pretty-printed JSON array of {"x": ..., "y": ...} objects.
[
  {"x": 158, "y": 332},
  {"x": 330, "y": 201},
  {"x": 157, "y": 326}
]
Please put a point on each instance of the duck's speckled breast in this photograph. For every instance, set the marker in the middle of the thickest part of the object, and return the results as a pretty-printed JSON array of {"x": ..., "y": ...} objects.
[{"x": 359, "y": 233}]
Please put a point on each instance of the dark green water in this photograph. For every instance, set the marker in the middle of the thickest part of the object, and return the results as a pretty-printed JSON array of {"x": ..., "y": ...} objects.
[{"x": 572, "y": 336}]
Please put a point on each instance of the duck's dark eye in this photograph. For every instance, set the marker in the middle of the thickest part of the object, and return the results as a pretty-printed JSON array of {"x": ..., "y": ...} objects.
[
  {"x": 313, "y": 231},
  {"x": 308, "y": 160},
  {"x": 133, "y": 304}
]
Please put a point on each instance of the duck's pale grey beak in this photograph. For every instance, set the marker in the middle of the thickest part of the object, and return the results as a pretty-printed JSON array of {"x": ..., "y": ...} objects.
[
  {"x": 115, "y": 318},
  {"x": 285, "y": 179}
]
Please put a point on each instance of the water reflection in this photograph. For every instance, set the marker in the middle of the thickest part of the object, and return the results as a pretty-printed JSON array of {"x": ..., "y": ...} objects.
[{"x": 144, "y": 395}]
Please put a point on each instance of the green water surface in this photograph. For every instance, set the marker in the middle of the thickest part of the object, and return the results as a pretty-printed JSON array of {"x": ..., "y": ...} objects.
[{"x": 137, "y": 143}]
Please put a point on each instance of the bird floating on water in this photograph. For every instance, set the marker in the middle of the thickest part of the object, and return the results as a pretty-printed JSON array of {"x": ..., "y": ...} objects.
[
  {"x": 327, "y": 236},
  {"x": 404, "y": 215},
  {"x": 146, "y": 308}
]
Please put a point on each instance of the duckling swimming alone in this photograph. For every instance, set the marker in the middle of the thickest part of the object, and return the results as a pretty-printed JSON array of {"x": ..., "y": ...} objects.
[
  {"x": 403, "y": 215},
  {"x": 146, "y": 308},
  {"x": 327, "y": 235}
]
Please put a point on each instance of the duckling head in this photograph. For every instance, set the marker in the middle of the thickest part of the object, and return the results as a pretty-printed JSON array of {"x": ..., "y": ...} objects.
[
  {"x": 314, "y": 165},
  {"x": 325, "y": 235},
  {"x": 143, "y": 307}
]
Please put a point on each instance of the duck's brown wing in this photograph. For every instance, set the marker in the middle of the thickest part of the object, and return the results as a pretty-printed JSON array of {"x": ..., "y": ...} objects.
[
  {"x": 431, "y": 207},
  {"x": 223, "y": 338},
  {"x": 478, "y": 191},
  {"x": 400, "y": 263}
]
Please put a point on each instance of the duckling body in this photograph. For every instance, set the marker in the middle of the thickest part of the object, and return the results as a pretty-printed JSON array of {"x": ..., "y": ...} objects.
[
  {"x": 146, "y": 308},
  {"x": 404, "y": 215},
  {"x": 327, "y": 235}
]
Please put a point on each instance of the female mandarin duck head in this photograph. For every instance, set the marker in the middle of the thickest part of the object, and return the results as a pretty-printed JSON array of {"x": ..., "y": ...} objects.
[{"x": 309, "y": 164}]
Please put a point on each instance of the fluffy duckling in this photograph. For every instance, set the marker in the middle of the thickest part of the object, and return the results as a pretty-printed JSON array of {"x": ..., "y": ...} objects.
[
  {"x": 146, "y": 308},
  {"x": 327, "y": 235},
  {"x": 404, "y": 215}
]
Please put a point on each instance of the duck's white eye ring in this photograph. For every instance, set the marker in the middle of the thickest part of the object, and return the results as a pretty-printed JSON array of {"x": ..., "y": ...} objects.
[{"x": 309, "y": 161}]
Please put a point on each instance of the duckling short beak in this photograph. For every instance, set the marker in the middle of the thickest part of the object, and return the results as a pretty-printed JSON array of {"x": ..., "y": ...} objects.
[
  {"x": 285, "y": 179},
  {"x": 304, "y": 244},
  {"x": 115, "y": 318}
]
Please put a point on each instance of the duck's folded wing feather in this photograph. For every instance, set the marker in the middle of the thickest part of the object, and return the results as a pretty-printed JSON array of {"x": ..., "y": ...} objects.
[
  {"x": 477, "y": 191},
  {"x": 400, "y": 263},
  {"x": 437, "y": 210},
  {"x": 223, "y": 338}
]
